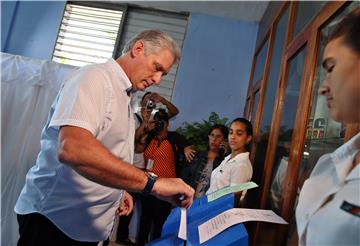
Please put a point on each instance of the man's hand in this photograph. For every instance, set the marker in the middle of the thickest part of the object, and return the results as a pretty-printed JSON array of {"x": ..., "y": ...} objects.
[
  {"x": 146, "y": 125},
  {"x": 172, "y": 189},
  {"x": 189, "y": 152},
  {"x": 171, "y": 108},
  {"x": 156, "y": 98},
  {"x": 126, "y": 205}
]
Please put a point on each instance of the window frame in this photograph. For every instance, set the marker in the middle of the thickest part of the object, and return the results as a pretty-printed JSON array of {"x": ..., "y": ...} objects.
[
  {"x": 166, "y": 91},
  {"x": 109, "y": 6},
  {"x": 292, "y": 46}
]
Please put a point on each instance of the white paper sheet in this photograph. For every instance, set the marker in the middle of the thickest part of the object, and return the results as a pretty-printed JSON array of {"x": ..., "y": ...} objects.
[
  {"x": 182, "y": 228},
  {"x": 233, "y": 216}
]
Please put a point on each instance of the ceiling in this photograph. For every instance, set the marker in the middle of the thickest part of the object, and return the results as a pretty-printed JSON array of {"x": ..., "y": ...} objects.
[{"x": 238, "y": 10}]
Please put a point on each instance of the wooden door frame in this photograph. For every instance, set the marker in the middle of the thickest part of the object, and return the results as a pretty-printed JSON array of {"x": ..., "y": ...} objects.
[
  {"x": 309, "y": 37},
  {"x": 292, "y": 47}
]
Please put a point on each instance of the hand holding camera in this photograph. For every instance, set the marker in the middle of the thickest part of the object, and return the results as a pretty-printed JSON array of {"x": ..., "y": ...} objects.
[
  {"x": 159, "y": 125},
  {"x": 151, "y": 100},
  {"x": 161, "y": 120},
  {"x": 156, "y": 98},
  {"x": 149, "y": 109},
  {"x": 147, "y": 114},
  {"x": 150, "y": 104}
]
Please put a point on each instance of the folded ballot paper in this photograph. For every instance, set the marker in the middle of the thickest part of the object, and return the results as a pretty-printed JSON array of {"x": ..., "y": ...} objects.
[
  {"x": 182, "y": 229},
  {"x": 230, "y": 189},
  {"x": 233, "y": 216}
]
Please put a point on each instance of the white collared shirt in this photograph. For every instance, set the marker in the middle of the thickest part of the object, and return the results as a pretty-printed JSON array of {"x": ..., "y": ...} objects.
[
  {"x": 231, "y": 172},
  {"x": 93, "y": 98},
  {"x": 139, "y": 160},
  {"x": 319, "y": 216}
]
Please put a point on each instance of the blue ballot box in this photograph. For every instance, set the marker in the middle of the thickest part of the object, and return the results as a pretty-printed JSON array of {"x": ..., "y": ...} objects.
[
  {"x": 199, "y": 209},
  {"x": 200, "y": 212},
  {"x": 234, "y": 235}
]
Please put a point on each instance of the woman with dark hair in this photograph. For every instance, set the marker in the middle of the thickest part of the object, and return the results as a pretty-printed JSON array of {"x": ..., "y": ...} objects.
[
  {"x": 329, "y": 203},
  {"x": 197, "y": 174},
  {"x": 235, "y": 168}
]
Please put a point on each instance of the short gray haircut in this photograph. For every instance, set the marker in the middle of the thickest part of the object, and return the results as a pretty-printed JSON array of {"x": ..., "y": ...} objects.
[{"x": 154, "y": 42}]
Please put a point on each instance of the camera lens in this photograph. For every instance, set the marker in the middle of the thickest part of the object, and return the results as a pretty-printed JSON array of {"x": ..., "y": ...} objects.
[
  {"x": 159, "y": 125},
  {"x": 150, "y": 104}
]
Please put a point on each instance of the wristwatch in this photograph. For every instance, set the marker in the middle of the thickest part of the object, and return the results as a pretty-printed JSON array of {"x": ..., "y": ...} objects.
[{"x": 150, "y": 183}]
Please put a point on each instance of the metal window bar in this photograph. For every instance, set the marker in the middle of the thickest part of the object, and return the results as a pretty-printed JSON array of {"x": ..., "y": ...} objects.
[
  {"x": 84, "y": 34},
  {"x": 76, "y": 47},
  {"x": 87, "y": 35}
]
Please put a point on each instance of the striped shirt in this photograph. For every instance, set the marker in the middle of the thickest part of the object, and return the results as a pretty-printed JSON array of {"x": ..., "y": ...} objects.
[{"x": 163, "y": 156}]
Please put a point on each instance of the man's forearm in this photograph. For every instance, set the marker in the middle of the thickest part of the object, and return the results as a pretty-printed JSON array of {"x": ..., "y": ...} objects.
[
  {"x": 140, "y": 131},
  {"x": 87, "y": 156},
  {"x": 172, "y": 109}
]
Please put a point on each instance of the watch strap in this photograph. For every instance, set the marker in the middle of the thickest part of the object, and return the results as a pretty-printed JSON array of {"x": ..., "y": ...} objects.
[{"x": 150, "y": 183}]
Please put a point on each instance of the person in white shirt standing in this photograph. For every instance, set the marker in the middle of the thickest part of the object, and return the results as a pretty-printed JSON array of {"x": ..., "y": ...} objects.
[
  {"x": 235, "y": 168},
  {"x": 328, "y": 211},
  {"x": 72, "y": 193}
]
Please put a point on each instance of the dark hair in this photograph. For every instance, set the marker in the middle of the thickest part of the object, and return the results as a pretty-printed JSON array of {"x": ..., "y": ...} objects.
[
  {"x": 248, "y": 125},
  {"x": 224, "y": 130},
  {"x": 161, "y": 115},
  {"x": 349, "y": 29},
  {"x": 146, "y": 93},
  {"x": 248, "y": 128}
]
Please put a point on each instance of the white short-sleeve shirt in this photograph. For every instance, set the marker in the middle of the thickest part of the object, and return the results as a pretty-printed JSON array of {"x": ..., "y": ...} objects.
[
  {"x": 319, "y": 217},
  {"x": 93, "y": 98},
  {"x": 231, "y": 172},
  {"x": 139, "y": 160}
]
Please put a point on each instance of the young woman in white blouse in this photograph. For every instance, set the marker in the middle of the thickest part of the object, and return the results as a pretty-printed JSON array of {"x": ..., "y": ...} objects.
[
  {"x": 328, "y": 211},
  {"x": 235, "y": 168}
]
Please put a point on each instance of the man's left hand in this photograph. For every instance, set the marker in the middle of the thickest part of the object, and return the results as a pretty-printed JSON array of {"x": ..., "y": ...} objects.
[{"x": 126, "y": 205}]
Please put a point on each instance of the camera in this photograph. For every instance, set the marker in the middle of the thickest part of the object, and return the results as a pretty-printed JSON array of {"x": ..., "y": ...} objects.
[
  {"x": 159, "y": 126},
  {"x": 150, "y": 104},
  {"x": 160, "y": 118}
]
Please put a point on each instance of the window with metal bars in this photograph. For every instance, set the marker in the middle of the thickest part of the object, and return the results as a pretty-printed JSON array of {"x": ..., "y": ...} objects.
[
  {"x": 87, "y": 35},
  {"x": 92, "y": 32}
]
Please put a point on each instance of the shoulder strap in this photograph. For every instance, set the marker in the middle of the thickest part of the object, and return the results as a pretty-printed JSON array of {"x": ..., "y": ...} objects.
[
  {"x": 139, "y": 118},
  {"x": 172, "y": 140}
]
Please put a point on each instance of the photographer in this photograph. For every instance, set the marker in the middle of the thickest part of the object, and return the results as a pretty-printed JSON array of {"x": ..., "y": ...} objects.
[
  {"x": 143, "y": 125},
  {"x": 148, "y": 104},
  {"x": 162, "y": 152}
]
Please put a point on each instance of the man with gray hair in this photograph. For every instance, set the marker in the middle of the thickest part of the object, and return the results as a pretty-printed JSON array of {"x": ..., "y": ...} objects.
[{"x": 72, "y": 193}]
